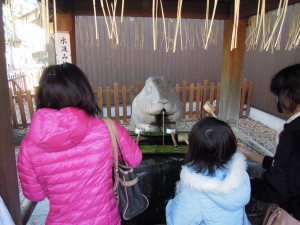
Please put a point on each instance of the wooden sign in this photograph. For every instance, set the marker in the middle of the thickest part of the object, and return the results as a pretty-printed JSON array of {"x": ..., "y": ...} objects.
[{"x": 62, "y": 48}]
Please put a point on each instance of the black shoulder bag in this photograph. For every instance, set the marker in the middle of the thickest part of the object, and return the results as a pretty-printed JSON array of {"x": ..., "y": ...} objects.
[{"x": 131, "y": 201}]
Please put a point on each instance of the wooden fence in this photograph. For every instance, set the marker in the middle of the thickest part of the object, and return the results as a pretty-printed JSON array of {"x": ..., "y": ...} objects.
[
  {"x": 116, "y": 102},
  {"x": 23, "y": 81}
]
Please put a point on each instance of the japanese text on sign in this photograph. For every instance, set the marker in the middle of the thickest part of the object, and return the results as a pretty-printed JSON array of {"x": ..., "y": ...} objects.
[{"x": 62, "y": 48}]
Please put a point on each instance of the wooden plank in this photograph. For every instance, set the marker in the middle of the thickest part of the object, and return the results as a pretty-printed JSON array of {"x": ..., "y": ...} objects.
[
  {"x": 108, "y": 102},
  {"x": 139, "y": 87},
  {"x": 198, "y": 99},
  {"x": 124, "y": 103},
  {"x": 30, "y": 103},
  {"x": 24, "y": 83},
  {"x": 212, "y": 93},
  {"x": 100, "y": 101},
  {"x": 177, "y": 89},
  {"x": 21, "y": 109},
  {"x": 191, "y": 102},
  {"x": 13, "y": 110},
  {"x": 15, "y": 86},
  {"x": 218, "y": 99},
  {"x": 131, "y": 96},
  {"x": 243, "y": 96},
  {"x": 204, "y": 97},
  {"x": 184, "y": 90},
  {"x": 250, "y": 89},
  {"x": 116, "y": 101}
]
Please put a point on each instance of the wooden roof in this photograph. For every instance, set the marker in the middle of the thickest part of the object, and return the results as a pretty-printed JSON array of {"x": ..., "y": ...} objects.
[{"x": 190, "y": 8}]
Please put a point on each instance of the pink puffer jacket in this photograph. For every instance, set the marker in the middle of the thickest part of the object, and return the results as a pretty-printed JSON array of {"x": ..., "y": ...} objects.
[{"x": 67, "y": 157}]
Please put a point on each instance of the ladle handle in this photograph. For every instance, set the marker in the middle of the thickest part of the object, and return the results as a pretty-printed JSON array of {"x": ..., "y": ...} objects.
[
  {"x": 138, "y": 138},
  {"x": 174, "y": 140}
]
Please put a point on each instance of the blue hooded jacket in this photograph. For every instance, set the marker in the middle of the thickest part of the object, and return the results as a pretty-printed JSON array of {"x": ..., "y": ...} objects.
[{"x": 217, "y": 200}]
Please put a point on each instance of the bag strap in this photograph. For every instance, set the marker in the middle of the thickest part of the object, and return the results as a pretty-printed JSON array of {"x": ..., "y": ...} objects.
[{"x": 115, "y": 141}]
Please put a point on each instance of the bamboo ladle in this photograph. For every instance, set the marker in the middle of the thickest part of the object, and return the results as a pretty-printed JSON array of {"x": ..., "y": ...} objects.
[{"x": 209, "y": 108}]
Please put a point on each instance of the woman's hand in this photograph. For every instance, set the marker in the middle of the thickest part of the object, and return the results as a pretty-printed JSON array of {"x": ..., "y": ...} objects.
[{"x": 253, "y": 156}]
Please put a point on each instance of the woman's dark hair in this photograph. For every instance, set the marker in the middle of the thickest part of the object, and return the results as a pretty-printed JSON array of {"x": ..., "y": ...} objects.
[
  {"x": 211, "y": 145},
  {"x": 286, "y": 86},
  {"x": 63, "y": 86}
]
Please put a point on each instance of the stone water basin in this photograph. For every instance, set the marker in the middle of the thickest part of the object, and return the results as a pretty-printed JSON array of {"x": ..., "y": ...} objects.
[{"x": 159, "y": 172}]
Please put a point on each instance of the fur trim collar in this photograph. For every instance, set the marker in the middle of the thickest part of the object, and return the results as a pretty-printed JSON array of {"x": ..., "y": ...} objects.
[{"x": 235, "y": 176}]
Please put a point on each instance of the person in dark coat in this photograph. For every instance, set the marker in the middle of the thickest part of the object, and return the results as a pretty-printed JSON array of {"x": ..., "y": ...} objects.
[{"x": 280, "y": 182}]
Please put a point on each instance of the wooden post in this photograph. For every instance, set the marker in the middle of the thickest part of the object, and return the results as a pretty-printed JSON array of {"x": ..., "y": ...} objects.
[
  {"x": 9, "y": 190},
  {"x": 231, "y": 76}
]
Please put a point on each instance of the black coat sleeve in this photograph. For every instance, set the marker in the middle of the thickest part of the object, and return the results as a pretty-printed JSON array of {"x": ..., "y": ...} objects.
[
  {"x": 280, "y": 182},
  {"x": 267, "y": 162}
]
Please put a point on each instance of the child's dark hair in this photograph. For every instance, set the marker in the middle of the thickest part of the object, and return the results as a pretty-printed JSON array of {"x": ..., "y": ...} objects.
[
  {"x": 63, "y": 86},
  {"x": 211, "y": 145},
  {"x": 286, "y": 86}
]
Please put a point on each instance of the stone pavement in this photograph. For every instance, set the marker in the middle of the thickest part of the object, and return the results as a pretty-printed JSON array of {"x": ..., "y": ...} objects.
[{"x": 38, "y": 217}]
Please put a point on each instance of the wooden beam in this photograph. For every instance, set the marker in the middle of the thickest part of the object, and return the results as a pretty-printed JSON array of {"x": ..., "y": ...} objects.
[
  {"x": 9, "y": 189},
  {"x": 231, "y": 75},
  {"x": 139, "y": 8}
]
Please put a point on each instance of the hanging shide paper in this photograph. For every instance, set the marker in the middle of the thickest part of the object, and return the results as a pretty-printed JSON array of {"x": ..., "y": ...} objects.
[
  {"x": 123, "y": 40},
  {"x": 114, "y": 25},
  {"x": 86, "y": 28},
  {"x": 153, "y": 24},
  {"x": 257, "y": 23},
  {"x": 95, "y": 17},
  {"x": 156, "y": 23},
  {"x": 235, "y": 24},
  {"x": 164, "y": 25},
  {"x": 191, "y": 35},
  {"x": 294, "y": 33},
  {"x": 139, "y": 34},
  {"x": 263, "y": 33},
  {"x": 267, "y": 28},
  {"x": 55, "y": 19},
  {"x": 122, "y": 11},
  {"x": 136, "y": 33},
  {"x": 211, "y": 23},
  {"x": 281, "y": 12},
  {"x": 105, "y": 18},
  {"x": 261, "y": 21},
  {"x": 43, "y": 17},
  {"x": 44, "y": 9},
  {"x": 110, "y": 19},
  {"x": 178, "y": 21},
  {"x": 47, "y": 22}
]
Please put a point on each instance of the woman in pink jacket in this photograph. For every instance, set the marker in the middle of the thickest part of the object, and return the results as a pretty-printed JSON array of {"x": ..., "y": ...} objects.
[{"x": 67, "y": 155}]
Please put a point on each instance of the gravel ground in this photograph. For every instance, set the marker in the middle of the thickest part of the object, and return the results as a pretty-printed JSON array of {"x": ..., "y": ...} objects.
[
  {"x": 259, "y": 132},
  {"x": 254, "y": 129}
]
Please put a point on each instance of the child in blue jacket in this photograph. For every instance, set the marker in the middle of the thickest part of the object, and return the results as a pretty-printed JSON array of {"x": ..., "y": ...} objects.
[{"x": 214, "y": 186}]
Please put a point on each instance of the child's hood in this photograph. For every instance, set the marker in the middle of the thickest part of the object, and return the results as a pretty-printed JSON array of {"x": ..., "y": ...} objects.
[
  {"x": 230, "y": 188},
  {"x": 54, "y": 130}
]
